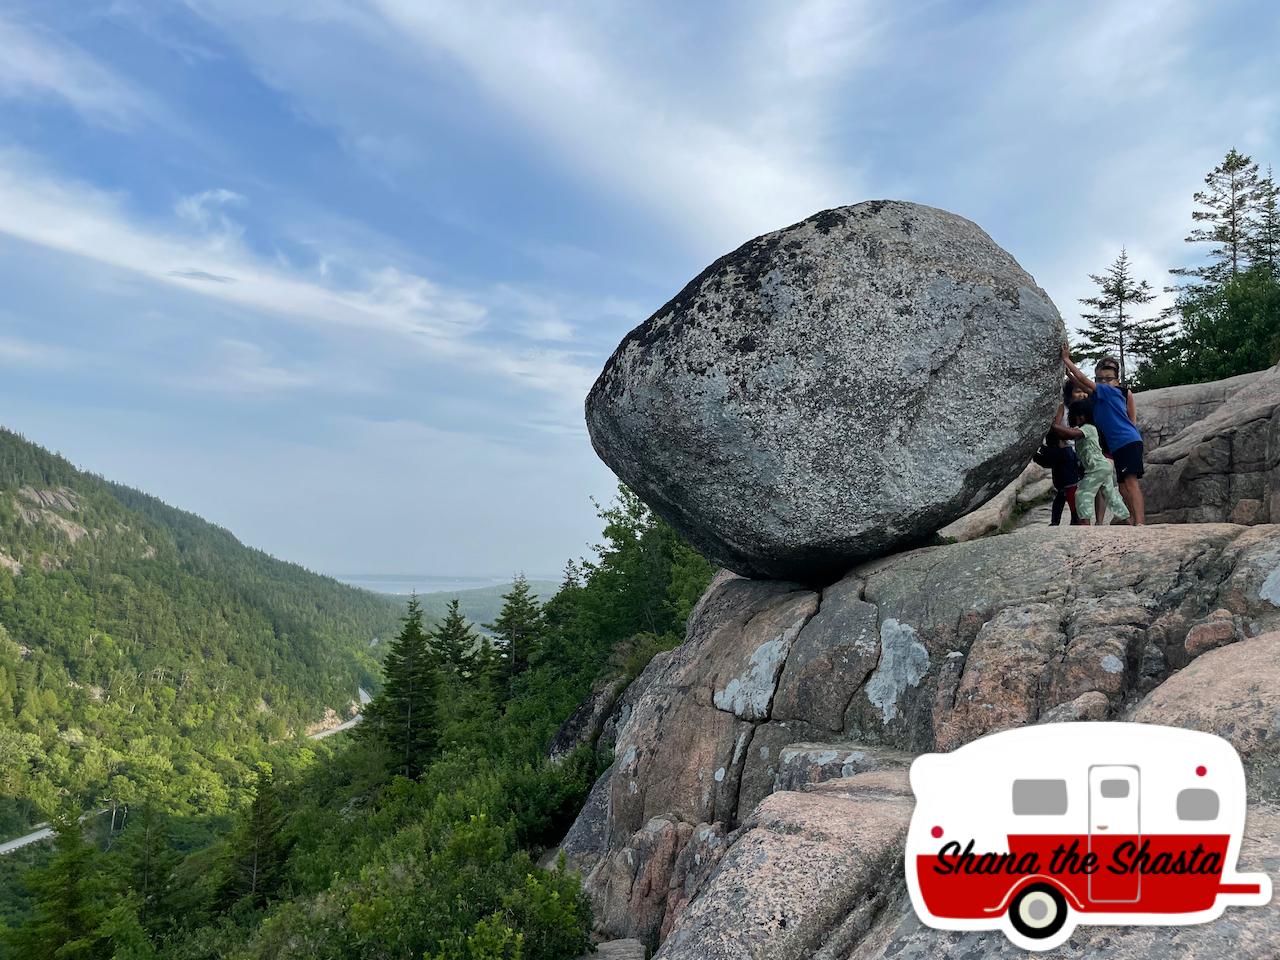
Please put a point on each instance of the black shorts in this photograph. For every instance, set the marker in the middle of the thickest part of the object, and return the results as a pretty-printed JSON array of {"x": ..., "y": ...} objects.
[{"x": 1128, "y": 460}]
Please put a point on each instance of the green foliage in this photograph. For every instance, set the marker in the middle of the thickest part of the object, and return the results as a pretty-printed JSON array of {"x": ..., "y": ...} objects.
[
  {"x": 1228, "y": 306},
  {"x": 145, "y": 862},
  {"x": 124, "y": 931},
  {"x": 1264, "y": 247},
  {"x": 256, "y": 851},
  {"x": 490, "y": 939},
  {"x": 518, "y": 630},
  {"x": 69, "y": 907},
  {"x": 1227, "y": 221},
  {"x": 632, "y": 655},
  {"x": 1226, "y": 331},
  {"x": 478, "y": 604},
  {"x": 404, "y": 715},
  {"x": 645, "y": 581},
  {"x": 1113, "y": 325},
  {"x": 353, "y": 860},
  {"x": 454, "y": 643},
  {"x": 552, "y": 914},
  {"x": 544, "y": 799},
  {"x": 147, "y": 653}
]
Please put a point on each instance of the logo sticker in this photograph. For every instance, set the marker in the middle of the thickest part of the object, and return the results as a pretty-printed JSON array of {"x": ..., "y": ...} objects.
[{"x": 1035, "y": 830}]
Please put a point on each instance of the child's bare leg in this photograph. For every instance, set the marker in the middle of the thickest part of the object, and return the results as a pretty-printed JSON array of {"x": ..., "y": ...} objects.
[
  {"x": 1131, "y": 490},
  {"x": 1123, "y": 488},
  {"x": 1100, "y": 506},
  {"x": 1116, "y": 500}
]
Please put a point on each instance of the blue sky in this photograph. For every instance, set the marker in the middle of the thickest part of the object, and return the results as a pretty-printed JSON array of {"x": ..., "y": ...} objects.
[{"x": 337, "y": 275}]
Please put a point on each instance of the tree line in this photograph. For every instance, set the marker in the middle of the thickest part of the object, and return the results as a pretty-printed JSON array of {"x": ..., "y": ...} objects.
[{"x": 1225, "y": 316}]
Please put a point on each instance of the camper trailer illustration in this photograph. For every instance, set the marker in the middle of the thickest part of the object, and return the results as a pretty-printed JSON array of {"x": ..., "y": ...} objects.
[{"x": 1032, "y": 831}]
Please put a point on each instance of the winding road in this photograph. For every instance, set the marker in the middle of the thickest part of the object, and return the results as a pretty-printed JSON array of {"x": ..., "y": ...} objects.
[
  {"x": 43, "y": 832},
  {"x": 345, "y": 725}
]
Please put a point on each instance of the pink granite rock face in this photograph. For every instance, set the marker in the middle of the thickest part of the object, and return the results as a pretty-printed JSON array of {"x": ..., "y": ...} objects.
[
  {"x": 779, "y": 694},
  {"x": 801, "y": 864},
  {"x": 1224, "y": 466},
  {"x": 1233, "y": 692}
]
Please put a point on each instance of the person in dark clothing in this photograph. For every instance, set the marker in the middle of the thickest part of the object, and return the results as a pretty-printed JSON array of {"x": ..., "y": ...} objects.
[{"x": 1057, "y": 455}]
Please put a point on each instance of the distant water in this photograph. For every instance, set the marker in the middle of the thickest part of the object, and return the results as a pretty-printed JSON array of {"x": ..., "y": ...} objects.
[{"x": 421, "y": 583}]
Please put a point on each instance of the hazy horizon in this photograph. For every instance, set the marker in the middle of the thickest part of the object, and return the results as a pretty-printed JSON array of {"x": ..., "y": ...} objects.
[{"x": 425, "y": 583}]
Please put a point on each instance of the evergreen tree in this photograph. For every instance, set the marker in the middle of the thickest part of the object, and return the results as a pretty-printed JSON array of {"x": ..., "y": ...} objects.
[
  {"x": 690, "y": 574},
  {"x": 1229, "y": 197},
  {"x": 486, "y": 688},
  {"x": 572, "y": 579},
  {"x": 404, "y": 713},
  {"x": 630, "y": 583},
  {"x": 69, "y": 909},
  {"x": 560, "y": 614},
  {"x": 518, "y": 629},
  {"x": 1266, "y": 225},
  {"x": 257, "y": 851},
  {"x": 1226, "y": 331},
  {"x": 454, "y": 642},
  {"x": 145, "y": 864},
  {"x": 129, "y": 940},
  {"x": 1113, "y": 324}
]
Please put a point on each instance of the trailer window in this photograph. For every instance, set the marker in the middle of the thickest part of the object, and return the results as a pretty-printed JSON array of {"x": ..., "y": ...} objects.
[
  {"x": 1197, "y": 804},
  {"x": 1039, "y": 798},
  {"x": 1114, "y": 789}
]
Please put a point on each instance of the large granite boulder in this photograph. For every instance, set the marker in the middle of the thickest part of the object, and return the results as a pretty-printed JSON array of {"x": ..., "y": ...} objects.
[
  {"x": 833, "y": 391},
  {"x": 1225, "y": 466},
  {"x": 698, "y": 834}
]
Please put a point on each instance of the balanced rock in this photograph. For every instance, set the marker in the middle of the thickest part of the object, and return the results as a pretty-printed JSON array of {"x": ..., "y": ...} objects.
[{"x": 832, "y": 391}]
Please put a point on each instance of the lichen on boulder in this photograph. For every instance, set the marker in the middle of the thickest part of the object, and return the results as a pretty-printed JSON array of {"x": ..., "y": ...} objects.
[{"x": 833, "y": 391}]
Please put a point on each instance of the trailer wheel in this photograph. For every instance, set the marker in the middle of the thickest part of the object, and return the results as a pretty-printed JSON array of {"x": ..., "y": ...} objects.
[{"x": 1038, "y": 911}]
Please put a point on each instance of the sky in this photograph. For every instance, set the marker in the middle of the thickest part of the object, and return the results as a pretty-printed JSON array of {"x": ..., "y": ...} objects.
[{"x": 337, "y": 275}]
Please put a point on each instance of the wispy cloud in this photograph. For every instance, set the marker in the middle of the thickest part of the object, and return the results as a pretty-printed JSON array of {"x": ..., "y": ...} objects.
[
  {"x": 455, "y": 229},
  {"x": 418, "y": 314},
  {"x": 23, "y": 353},
  {"x": 150, "y": 21},
  {"x": 240, "y": 367},
  {"x": 731, "y": 143},
  {"x": 615, "y": 120},
  {"x": 36, "y": 64},
  {"x": 200, "y": 275},
  {"x": 207, "y": 210}
]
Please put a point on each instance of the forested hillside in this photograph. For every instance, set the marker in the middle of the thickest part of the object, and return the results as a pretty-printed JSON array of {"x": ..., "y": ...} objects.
[
  {"x": 415, "y": 836},
  {"x": 147, "y": 653}
]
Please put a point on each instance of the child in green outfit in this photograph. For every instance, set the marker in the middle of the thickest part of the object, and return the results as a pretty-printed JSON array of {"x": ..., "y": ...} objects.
[{"x": 1098, "y": 472}]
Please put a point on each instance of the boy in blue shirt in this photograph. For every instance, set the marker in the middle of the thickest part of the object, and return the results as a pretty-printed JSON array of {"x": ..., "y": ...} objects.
[{"x": 1115, "y": 416}]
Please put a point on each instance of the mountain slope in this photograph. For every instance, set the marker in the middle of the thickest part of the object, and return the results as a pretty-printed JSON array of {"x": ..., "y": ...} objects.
[
  {"x": 146, "y": 651},
  {"x": 480, "y": 605}
]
